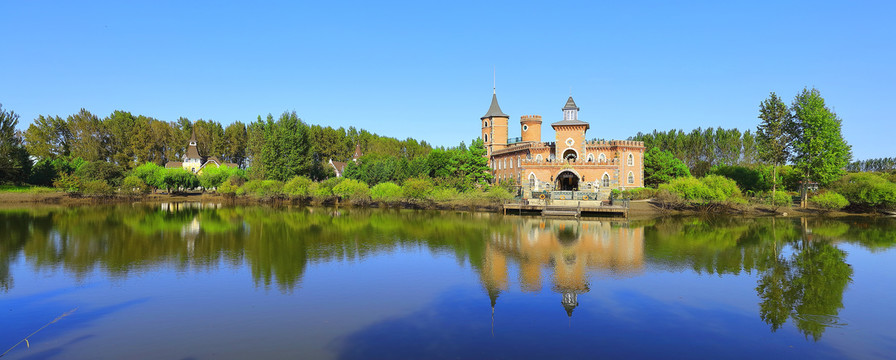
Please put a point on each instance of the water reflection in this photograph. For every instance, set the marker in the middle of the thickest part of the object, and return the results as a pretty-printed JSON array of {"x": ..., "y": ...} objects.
[{"x": 801, "y": 273}]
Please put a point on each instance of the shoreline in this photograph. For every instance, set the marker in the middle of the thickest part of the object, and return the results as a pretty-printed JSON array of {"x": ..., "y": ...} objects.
[{"x": 638, "y": 209}]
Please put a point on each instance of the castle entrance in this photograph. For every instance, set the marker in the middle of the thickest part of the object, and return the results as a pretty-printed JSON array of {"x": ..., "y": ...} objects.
[{"x": 567, "y": 181}]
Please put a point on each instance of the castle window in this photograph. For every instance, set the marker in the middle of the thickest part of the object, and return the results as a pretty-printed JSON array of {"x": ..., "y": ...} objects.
[
  {"x": 518, "y": 160},
  {"x": 605, "y": 181},
  {"x": 602, "y": 158},
  {"x": 525, "y": 127},
  {"x": 485, "y": 137},
  {"x": 511, "y": 163},
  {"x": 631, "y": 159},
  {"x": 538, "y": 157},
  {"x": 532, "y": 181},
  {"x": 631, "y": 177},
  {"x": 485, "y": 123},
  {"x": 590, "y": 157}
]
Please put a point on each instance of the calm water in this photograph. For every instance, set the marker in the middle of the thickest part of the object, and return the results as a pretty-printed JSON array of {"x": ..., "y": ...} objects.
[{"x": 185, "y": 281}]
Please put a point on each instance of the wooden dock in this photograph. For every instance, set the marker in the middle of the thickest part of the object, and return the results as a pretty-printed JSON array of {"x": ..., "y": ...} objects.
[{"x": 586, "y": 208}]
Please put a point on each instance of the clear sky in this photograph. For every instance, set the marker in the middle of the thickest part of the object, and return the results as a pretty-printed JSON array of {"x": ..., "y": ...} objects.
[{"x": 423, "y": 69}]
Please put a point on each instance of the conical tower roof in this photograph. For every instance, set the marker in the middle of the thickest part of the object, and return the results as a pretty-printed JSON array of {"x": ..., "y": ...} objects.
[
  {"x": 570, "y": 105},
  {"x": 494, "y": 109}
]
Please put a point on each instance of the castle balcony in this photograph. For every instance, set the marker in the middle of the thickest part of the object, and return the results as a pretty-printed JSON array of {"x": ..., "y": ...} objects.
[
  {"x": 514, "y": 140},
  {"x": 578, "y": 162}
]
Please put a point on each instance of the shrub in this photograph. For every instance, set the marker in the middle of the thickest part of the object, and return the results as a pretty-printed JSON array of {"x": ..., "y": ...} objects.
[
  {"x": 100, "y": 170},
  {"x": 324, "y": 190},
  {"x": 264, "y": 188},
  {"x": 867, "y": 190},
  {"x": 416, "y": 188},
  {"x": 298, "y": 187},
  {"x": 829, "y": 200},
  {"x": 97, "y": 188},
  {"x": 688, "y": 189},
  {"x": 638, "y": 194},
  {"x": 498, "y": 193},
  {"x": 444, "y": 194},
  {"x": 753, "y": 179},
  {"x": 132, "y": 186},
  {"x": 214, "y": 176},
  {"x": 386, "y": 191},
  {"x": 151, "y": 174},
  {"x": 229, "y": 189},
  {"x": 708, "y": 190},
  {"x": 722, "y": 188},
  {"x": 71, "y": 184},
  {"x": 43, "y": 173},
  {"x": 177, "y": 179},
  {"x": 781, "y": 199},
  {"x": 352, "y": 189}
]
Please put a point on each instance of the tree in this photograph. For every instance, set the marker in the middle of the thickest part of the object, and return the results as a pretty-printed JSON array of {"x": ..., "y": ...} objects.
[
  {"x": 661, "y": 167},
  {"x": 774, "y": 134},
  {"x": 235, "y": 139},
  {"x": 122, "y": 129},
  {"x": 90, "y": 134},
  {"x": 48, "y": 137},
  {"x": 820, "y": 151},
  {"x": 15, "y": 164}
]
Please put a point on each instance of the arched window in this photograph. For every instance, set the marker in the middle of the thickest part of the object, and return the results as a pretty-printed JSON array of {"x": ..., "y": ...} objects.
[
  {"x": 538, "y": 157},
  {"x": 504, "y": 163},
  {"x": 631, "y": 177},
  {"x": 631, "y": 159},
  {"x": 511, "y": 163},
  {"x": 605, "y": 181},
  {"x": 519, "y": 160},
  {"x": 590, "y": 157},
  {"x": 485, "y": 137},
  {"x": 485, "y": 123},
  {"x": 602, "y": 158},
  {"x": 532, "y": 182}
]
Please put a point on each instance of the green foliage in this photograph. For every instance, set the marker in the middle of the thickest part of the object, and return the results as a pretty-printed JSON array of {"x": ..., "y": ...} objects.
[
  {"x": 229, "y": 189},
  {"x": 298, "y": 187},
  {"x": 661, "y": 167},
  {"x": 701, "y": 149},
  {"x": 615, "y": 194},
  {"x": 387, "y": 192},
  {"x": 638, "y": 193},
  {"x": 829, "y": 200},
  {"x": 352, "y": 189},
  {"x": 753, "y": 179},
  {"x": 872, "y": 165},
  {"x": 97, "y": 188},
  {"x": 416, "y": 188},
  {"x": 777, "y": 199},
  {"x": 69, "y": 183},
  {"x": 151, "y": 174},
  {"x": 213, "y": 176},
  {"x": 498, "y": 194},
  {"x": 324, "y": 190},
  {"x": 43, "y": 173},
  {"x": 821, "y": 153},
  {"x": 711, "y": 189},
  {"x": 178, "y": 179},
  {"x": 867, "y": 191},
  {"x": 264, "y": 188},
  {"x": 15, "y": 164},
  {"x": 100, "y": 170},
  {"x": 133, "y": 186}
]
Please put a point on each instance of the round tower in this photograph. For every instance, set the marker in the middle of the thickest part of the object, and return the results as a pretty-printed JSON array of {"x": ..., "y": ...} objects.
[
  {"x": 494, "y": 127},
  {"x": 530, "y": 128}
]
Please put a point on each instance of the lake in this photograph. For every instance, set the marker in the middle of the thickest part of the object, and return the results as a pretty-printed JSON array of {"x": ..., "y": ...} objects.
[{"x": 207, "y": 281}]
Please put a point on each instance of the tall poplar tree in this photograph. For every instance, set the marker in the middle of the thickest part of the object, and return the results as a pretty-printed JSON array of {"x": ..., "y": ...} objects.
[
  {"x": 820, "y": 152},
  {"x": 774, "y": 134},
  {"x": 15, "y": 165}
]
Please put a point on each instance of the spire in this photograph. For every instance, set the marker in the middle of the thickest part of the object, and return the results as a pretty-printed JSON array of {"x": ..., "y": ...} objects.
[
  {"x": 494, "y": 109},
  {"x": 570, "y": 104}
]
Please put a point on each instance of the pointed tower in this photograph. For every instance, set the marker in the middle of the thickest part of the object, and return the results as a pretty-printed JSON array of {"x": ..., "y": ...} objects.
[
  {"x": 494, "y": 127},
  {"x": 192, "y": 159}
]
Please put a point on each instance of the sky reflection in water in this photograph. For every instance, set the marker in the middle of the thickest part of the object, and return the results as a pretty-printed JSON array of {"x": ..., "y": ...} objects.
[{"x": 192, "y": 281}]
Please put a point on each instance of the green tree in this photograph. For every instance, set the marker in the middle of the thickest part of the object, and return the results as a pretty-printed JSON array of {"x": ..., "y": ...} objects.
[
  {"x": 48, "y": 137},
  {"x": 15, "y": 165},
  {"x": 774, "y": 134},
  {"x": 287, "y": 149},
  {"x": 821, "y": 153},
  {"x": 235, "y": 140},
  {"x": 122, "y": 129},
  {"x": 91, "y": 136},
  {"x": 661, "y": 167}
]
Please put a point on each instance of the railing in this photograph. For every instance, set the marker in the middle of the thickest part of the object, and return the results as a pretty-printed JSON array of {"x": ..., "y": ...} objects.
[{"x": 514, "y": 140}]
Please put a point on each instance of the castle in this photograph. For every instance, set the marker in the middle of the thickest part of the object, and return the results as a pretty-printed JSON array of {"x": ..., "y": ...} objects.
[
  {"x": 589, "y": 169},
  {"x": 193, "y": 161}
]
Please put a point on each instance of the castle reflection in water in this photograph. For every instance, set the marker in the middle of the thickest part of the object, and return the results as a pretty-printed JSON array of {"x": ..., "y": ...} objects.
[{"x": 567, "y": 249}]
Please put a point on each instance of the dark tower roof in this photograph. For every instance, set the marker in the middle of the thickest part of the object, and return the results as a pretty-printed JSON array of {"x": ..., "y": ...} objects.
[
  {"x": 494, "y": 109},
  {"x": 570, "y": 105},
  {"x": 193, "y": 137}
]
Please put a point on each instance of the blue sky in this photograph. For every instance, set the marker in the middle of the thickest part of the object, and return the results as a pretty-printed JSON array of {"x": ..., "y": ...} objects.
[{"x": 424, "y": 69}]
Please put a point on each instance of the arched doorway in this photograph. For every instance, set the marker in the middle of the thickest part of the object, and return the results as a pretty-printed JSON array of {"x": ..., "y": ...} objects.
[
  {"x": 567, "y": 181},
  {"x": 570, "y": 155}
]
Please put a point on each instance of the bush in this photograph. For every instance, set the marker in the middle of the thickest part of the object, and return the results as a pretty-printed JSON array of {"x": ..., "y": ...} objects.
[
  {"x": 829, "y": 200},
  {"x": 214, "y": 176},
  {"x": 177, "y": 179},
  {"x": 498, "y": 193},
  {"x": 444, "y": 194},
  {"x": 352, "y": 189},
  {"x": 98, "y": 188},
  {"x": 638, "y": 194},
  {"x": 754, "y": 179},
  {"x": 229, "y": 189},
  {"x": 781, "y": 199},
  {"x": 722, "y": 188},
  {"x": 43, "y": 173},
  {"x": 132, "y": 186},
  {"x": 298, "y": 187},
  {"x": 708, "y": 190},
  {"x": 71, "y": 184},
  {"x": 151, "y": 174},
  {"x": 416, "y": 188},
  {"x": 386, "y": 191},
  {"x": 867, "y": 190},
  {"x": 100, "y": 170},
  {"x": 264, "y": 188},
  {"x": 324, "y": 190}
]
